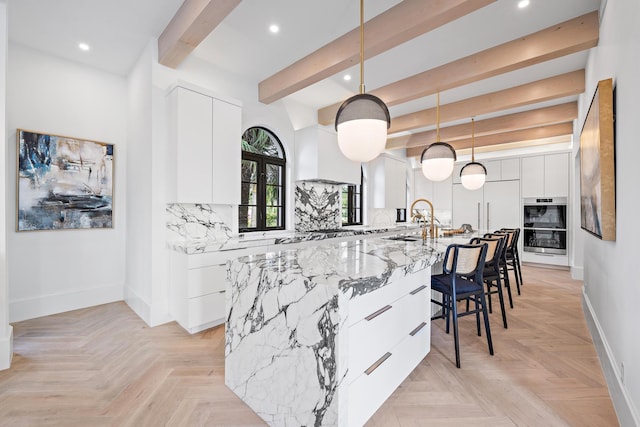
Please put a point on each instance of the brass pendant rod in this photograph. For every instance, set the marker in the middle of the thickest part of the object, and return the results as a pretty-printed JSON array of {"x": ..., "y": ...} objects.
[
  {"x": 361, "y": 47},
  {"x": 473, "y": 157},
  {"x": 438, "y": 117}
]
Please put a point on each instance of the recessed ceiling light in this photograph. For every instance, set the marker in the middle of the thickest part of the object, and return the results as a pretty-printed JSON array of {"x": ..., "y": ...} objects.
[
  {"x": 274, "y": 28},
  {"x": 347, "y": 77},
  {"x": 83, "y": 46},
  {"x": 523, "y": 3}
]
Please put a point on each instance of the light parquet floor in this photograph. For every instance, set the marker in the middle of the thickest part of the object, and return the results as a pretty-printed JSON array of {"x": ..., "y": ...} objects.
[{"x": 102, "y": 366}]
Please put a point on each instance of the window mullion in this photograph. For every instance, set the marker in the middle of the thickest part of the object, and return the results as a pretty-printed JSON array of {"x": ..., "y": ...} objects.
[{"x": 262, "y": 195}]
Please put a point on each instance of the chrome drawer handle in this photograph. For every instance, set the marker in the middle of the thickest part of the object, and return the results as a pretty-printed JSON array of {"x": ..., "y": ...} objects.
[
  {"x": 415, "y": 291},
  {"x": 378, "y": 313},
  {"x": 377, "y": 364},
  {"x": 417, "y": 329}
]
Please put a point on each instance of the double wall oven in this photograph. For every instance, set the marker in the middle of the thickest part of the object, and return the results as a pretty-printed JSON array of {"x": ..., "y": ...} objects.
[{"x": 545, "y": 225}]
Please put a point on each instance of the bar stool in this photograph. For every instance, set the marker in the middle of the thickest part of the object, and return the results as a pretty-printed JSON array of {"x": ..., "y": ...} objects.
[
  {"x": 462, "y": 280},
  {"x": 513, "y": 255},
  {"x": 502, "y": 262},
  {"x": 491, "y": 274}
]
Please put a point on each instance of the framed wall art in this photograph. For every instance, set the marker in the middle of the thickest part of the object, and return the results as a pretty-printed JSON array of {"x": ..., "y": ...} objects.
[
  {"x": 63, "y": 182},
  {"x": 597, "y": 165}
]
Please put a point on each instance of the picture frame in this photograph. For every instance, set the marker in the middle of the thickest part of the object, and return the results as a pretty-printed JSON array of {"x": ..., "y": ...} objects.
[
  {"x": 63, "y": 182},
  {"x": 597, "y": 165}
]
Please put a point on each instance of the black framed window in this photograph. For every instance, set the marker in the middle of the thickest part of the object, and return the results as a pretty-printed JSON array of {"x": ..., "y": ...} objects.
[
  {"x": 352, "y": 203},
  {"x": 262, "y": 202}
]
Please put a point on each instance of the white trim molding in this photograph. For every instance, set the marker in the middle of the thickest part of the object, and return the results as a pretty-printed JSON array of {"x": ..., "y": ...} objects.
[
  {"x": 6, "y": 349},
  {"x": 45, "y": 305},
  {"x": 625, "y": 410}
]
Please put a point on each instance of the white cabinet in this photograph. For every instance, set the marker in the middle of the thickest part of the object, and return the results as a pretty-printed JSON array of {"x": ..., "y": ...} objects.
[
  {"x": 497, "y": 170},
  {"x": 389, "y": 334},
  {"x": 197, "y": 287},
  {"x": 318, "y": 157},
  {"x": 387, "y": 182},
  {"x": 545, "y": 175},
  {"x": 204, "y": 148},
  {"x": 438, "y": 193},
  {"x": 197, "y": 291},
  {"x": 556, "y": 175},
  {"x": 495, "y": 205}
]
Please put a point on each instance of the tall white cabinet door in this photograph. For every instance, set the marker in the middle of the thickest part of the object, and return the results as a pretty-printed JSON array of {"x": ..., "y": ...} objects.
[
  {"x": 227, "y": 134},
  {"x": 533, "y": 176},
  {"x": 502, "y": 205},
  {"x": 194, "y": 129},
  {"x": 387, "y": 182},
  {"x": 467, "y": 207},
  {"x": 556, "y": 175},
  {"x": 422, "y": 187}
]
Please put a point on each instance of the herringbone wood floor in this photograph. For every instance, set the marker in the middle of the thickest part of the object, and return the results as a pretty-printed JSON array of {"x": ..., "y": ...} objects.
[{"x": 104, "y": 366}]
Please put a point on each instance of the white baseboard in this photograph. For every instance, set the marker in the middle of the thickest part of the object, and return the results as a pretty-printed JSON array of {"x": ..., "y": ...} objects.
[
  {"x": 151, "y": 315},
  {"x": 138, "y": 305},
  {"x": 625, "y": 410},
  {"x": 6, "y": 349},
  {"x": 577, "y": 273},
  {"x": 45, "y": 305}
]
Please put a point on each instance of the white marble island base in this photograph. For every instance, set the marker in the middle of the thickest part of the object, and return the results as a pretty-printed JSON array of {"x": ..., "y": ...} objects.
[{"x": 323, "y": 335}]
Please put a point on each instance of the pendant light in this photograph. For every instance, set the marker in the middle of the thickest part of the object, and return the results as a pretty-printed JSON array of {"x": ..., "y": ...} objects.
[
  {"x": 438, "y": 158},
  {"x": 362, "y": 120},
  {"x": 473, "y": 174}
]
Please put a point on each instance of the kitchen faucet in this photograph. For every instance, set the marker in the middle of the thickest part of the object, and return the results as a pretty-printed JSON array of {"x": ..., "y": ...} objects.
[{"x": 417, "y": 216}]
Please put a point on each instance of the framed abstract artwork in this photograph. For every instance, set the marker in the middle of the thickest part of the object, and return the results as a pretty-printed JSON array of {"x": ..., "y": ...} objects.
[
  {"x": 597, "y": 165},
  {"x": 63, "y": 182}
]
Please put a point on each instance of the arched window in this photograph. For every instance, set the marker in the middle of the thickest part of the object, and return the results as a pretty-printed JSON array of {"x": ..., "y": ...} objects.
[{"x": 262, "y": 203}]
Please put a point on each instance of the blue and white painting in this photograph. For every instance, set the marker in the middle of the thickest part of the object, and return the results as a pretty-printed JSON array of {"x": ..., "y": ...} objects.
[{"x": 63, "y": 182}]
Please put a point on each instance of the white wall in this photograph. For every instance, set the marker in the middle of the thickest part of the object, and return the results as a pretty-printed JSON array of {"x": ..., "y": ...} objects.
[
  {"x": 138, "y": 287},
  {"x": 56, "y": 271},
  {"x": 6, "y": 338},
  {"x": 610, "y": 268}
]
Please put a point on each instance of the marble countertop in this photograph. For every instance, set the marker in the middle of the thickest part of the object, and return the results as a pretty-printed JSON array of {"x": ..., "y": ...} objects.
[
  {"x": 359, "y": 265},
  {"x": 251, "y": 240}
]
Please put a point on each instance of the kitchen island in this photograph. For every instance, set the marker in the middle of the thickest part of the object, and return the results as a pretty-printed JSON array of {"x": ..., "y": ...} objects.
[{"x": 323, "y": 335}]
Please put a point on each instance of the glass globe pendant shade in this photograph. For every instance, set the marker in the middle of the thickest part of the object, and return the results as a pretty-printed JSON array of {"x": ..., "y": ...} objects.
[
  {"x": 362, "y": 122},
  {"x": 473, "y": 175},
  {"x": 437, "y": 161}
]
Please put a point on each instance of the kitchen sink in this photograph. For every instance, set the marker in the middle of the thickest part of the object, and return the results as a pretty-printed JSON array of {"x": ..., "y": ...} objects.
[{"x": 404, "y": 238}]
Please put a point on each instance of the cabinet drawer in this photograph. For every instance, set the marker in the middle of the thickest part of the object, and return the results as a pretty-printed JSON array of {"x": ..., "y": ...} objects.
[
  {"x": 363, "y": 305},
  {"x": 368, "y": 339},
  {"x": 369, "y": 391},
  {"x": 202, "y": 281},
  {"x": 205, "y": 309}
]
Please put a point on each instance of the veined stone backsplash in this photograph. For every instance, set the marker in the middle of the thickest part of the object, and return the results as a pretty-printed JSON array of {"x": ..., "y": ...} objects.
[
  {"x": 187, "y": 221},
  {"x": 317, "y": 206},
  {"x": 382, "y": 217}
]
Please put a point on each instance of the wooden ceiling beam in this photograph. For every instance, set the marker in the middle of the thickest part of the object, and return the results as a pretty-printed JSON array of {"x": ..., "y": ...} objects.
[
  {"x": 399, "y": 24},
  {"x": 527, "y": 119},
  {"x": 191, "y": 24},
  {"x": 506, "y": 137},
  {"x": 556, "y": 41},
  {"x": 563, "y": 85}
]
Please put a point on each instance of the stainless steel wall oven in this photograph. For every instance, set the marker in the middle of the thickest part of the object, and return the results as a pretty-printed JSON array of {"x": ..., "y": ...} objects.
[{"x": 545, "y": 225}]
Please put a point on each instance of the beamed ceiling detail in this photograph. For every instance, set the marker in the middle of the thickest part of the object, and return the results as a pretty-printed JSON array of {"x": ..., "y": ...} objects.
[{"x": 401, "y": 23}]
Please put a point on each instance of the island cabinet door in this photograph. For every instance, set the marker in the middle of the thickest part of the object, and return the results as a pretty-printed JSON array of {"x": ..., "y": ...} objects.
[
  {"x": 384, "y": 328},
  {"x": 386, "y": 345},
  {"x": 370, "y": 390}
]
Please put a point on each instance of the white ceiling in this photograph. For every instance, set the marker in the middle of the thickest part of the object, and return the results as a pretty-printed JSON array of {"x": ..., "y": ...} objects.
[{"x": 118, "y": 30}]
